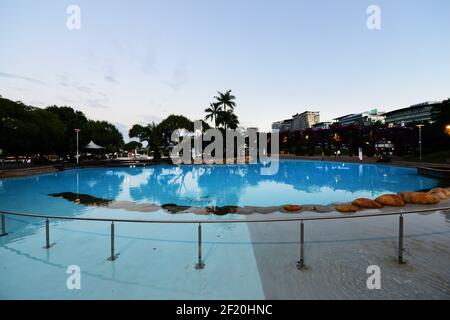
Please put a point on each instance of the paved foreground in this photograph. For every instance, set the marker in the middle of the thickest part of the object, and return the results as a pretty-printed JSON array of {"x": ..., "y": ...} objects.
[
  {"x": 243, "y": 261},
  {"x": 338, "y": 253}
]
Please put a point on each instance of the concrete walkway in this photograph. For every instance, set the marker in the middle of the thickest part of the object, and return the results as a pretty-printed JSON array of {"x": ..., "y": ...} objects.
[
  {"x": 338, "y": 253},
  {"x": 370, "y": 160}
]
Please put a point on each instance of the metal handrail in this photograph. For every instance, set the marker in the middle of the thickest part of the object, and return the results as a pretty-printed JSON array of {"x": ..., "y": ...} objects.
[
  {"x": 200, "y": 263},
  {"x": 350, "y": 216}
]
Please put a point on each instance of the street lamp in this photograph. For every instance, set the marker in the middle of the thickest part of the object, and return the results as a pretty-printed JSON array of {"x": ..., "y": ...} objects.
[
  {"x": 447, "y": 129},
  {"x": 420, "y": 140},
  {"x": 78, "y": 153}
]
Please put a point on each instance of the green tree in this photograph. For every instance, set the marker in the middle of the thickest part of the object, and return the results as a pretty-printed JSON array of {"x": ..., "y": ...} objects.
[
  {"x": 213, "y": 112},
  {"x": 150, "y": 134},
  {"x": 225, "y": 100},
  {"x": 26, "y": 130},
  {"x": 132, "y": 146},
  {"x": 158, "y": 136},
  {"x": 72, "y": 120},
  {"x": 228, "y": 119},
  {"x": 104, "y": 134}
]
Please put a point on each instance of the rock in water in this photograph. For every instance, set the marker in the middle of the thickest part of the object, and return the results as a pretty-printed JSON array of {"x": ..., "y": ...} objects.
[
  {"x": 366, "y": 203},
  {"x": 443, "y": 191},
  {"x": 419, "y": 197},
  {"x": 406, "y": 196},
  {"x": 392, "y": 200},
  {"x": 292, "y": 208},
  {"x": 346, "y": 208}
]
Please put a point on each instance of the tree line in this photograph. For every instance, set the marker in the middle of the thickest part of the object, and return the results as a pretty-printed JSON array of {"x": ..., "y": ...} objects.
[{"x": 27, "y": 130}]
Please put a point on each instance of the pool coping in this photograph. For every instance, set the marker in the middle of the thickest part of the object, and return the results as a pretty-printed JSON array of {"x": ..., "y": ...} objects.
[{"x": 25, "y": 172}]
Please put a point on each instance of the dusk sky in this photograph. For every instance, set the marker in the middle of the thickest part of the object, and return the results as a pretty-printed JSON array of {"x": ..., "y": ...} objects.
[{"x": 139, "y": 61}]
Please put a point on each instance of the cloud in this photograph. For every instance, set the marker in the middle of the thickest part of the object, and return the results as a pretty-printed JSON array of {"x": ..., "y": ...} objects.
[
  {"x": 66, "y": 82},
  {"x": 110, "y": 73},
  {"x": 21, "y": 89},
  {"x": 83, "y": 89},
  {"x": 111, "y": 79},
  {"x": 97, "y": 103},
  {"x": 149, "y": 63},
  {"x": 179, "y": 78},
  {"x": 91, "y": 98},
  {"x": 19, "y": 77}
]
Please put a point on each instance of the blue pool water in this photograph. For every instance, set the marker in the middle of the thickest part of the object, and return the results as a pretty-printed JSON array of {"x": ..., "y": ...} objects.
[
  {"x": 297, "y": 182},
  {"x": 243, "y": 260}
]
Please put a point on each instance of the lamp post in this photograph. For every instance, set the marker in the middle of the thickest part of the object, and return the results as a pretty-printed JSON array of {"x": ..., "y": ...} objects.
[
  {"x": 78, "y": 153},
  {"x": 447, "y": 129},
  {"x": 420, "y": 140}
]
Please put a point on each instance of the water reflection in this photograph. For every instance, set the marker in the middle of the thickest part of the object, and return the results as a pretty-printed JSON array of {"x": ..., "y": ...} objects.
[
  {"x": 313, "y": 182},
  {"x": 297, "y": 182}
]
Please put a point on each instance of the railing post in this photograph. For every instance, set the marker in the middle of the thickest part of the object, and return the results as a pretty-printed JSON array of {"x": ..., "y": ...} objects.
[
  {"x": 47, "y": 234},
  {"x": 200, "y": 264},
  {"x": 113, "y": 255},
  {"x": 400, "y": 240},
  {"x": 301, "y": 262},
  {"x": 4, "y": 233}
]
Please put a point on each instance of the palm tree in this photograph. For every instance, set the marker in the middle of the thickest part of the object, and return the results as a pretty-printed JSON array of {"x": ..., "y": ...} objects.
[
  {"x": 226, "y": 100},
  {"x": 213, "y": 112},
  {"x": 228, "y": 119}
]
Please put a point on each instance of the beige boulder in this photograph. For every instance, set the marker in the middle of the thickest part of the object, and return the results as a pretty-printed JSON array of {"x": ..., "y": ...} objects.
[
  {"x": 419, "y": 197},
  {"x": 292, "y": 208},
  {"x": 366, "y": 203},
  {"x": 441, "y": 196},
  {"x": 392, "y": 200},
  {"x": 441, "y": 191},
  {"x": 346, "y": 208},
  {"x": 406, "y": 196}
]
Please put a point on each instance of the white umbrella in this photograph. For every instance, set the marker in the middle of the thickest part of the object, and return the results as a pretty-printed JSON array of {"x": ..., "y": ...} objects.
[{"x": 92, "y": 145}]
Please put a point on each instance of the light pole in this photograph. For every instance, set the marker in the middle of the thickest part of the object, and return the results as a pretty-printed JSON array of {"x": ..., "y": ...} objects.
[
  {"x": 78, "y": 153},
  {"x": 447, "y": 129},
  {"x": 420, "y": 140}
]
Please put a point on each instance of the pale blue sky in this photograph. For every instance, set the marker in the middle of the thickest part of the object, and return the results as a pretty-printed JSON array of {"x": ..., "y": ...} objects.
[{"x": 137, "y": 61}]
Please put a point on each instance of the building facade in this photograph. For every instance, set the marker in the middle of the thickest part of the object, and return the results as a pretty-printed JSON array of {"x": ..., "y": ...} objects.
[
  {"x": 298, "y": 121},
  {"x": 422, "y": 113},
  {"x": 305, "y": 120},
  {"x": 364, "y": 118},
  {"x": 322, "y": 125},
  {"x": 283, "y": 126}
]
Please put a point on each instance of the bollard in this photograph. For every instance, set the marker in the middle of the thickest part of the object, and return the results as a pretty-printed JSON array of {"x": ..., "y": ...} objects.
[
  {"x": 113, "y": 256},
  {"x": 400, "y": 240},
  {"x": 4, "y": 233},
  {"x": 301, "y": 263},
  {"x": 200, "y": 265},
  {"x": 47, "y": 234}
]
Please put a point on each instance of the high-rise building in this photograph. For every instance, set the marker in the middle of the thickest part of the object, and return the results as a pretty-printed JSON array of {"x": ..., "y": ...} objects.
[
  {"x": 422, "y": 113},
  {"x": 364, "y": 118},
  {"x": 298, "y": 121},
  {"x": 305, "y": 120},
  {"x": 322, "y": 125}
]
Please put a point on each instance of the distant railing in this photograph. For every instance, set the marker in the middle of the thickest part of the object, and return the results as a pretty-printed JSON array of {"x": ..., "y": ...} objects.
[
  {"x": 200, "y": 263},
  {"x": 15, "y": 165}
]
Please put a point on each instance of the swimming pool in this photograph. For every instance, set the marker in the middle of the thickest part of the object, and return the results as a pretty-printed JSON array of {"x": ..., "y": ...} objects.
[
  {"x": 297, "y": 182},
  {"x": 243, "y": 260}
]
